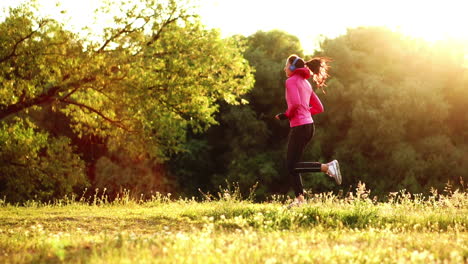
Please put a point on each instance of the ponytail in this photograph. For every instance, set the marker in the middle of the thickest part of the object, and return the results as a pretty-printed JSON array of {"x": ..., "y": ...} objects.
[{"x": 319, "y": 68}]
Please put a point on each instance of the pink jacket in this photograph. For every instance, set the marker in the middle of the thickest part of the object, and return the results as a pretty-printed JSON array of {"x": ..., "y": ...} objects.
[{"x": 301, "y": 99}]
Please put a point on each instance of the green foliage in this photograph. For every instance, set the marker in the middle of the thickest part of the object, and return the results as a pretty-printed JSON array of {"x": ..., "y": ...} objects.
[
  {"x": 157, "y": 87},
  {"x": 139, "y": 176},
  {"x": 136, "y": 89},
  {"x": 193, "y": 167},
  {"x": 394, "y": 115},
  {"x": 37, "y": 166},
  {"x": 267, "y": 53},
  {"x": 390, "y": 111}
]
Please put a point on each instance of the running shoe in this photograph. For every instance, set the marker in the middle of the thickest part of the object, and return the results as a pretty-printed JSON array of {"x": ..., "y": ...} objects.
[{"x": 334, "y": 171}]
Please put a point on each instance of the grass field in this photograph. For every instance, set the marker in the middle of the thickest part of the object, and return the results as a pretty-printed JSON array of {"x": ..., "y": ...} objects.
[{"x": 328, "y": 229}]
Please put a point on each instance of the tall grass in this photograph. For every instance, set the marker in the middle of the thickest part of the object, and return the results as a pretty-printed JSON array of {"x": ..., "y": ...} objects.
[{"x": 229, "y": 228}]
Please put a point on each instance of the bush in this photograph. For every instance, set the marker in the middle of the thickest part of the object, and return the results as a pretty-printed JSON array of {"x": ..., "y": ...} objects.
[{"x": 34, "y": 165}]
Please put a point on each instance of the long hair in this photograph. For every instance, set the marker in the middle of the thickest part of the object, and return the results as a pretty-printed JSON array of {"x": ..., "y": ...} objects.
[{"x": 317, "y": 65}]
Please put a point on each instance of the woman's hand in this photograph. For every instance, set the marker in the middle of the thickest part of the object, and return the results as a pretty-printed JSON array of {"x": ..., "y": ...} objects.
[{"x": 281, "y": 116}]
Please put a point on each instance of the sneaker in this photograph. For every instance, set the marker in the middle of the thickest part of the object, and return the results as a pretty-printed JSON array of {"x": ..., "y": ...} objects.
[{"x": 334, "y": 171}]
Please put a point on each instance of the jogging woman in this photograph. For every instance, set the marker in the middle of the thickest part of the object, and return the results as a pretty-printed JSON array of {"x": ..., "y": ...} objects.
[{"x": 302, "y": 104}]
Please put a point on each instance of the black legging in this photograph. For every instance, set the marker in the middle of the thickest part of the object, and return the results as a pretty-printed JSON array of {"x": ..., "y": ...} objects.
[{"x": 299, "y": 136}]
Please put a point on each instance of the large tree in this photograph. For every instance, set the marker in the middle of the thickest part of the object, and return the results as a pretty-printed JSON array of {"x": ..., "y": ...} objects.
[{"x": 155, "y": 73}]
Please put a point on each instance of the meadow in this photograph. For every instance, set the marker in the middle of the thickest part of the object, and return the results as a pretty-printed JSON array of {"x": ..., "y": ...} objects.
[{"x": 225, "y": 228}]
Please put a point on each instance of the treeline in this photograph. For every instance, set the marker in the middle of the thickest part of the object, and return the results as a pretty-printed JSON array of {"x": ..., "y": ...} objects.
[
  {"x": 395, "y": 117},
  {"x": 160, "y": 104}
]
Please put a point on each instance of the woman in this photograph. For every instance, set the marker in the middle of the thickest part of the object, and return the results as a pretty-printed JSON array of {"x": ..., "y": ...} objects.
[{"x": 302, "y": 104}]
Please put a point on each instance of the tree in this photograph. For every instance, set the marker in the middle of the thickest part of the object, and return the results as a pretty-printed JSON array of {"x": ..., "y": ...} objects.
[
  {"x": 390, "y": 103},
  {"x": 156, "y": 73}
]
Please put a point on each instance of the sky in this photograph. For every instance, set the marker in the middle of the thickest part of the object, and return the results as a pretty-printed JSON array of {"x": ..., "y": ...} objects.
[{"x": 311, "y": 19}]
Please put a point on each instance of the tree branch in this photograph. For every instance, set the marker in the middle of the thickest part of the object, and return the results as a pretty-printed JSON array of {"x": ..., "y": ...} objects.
[
  {"x": 15, "y": 163},
  {"x": 174, "y": 109},
  {"x": 70, "y": 93},
  {"x": 156, "y": 36},
  {"x": 47, "y": 97},
  {"x": 89, "y": 108},
  {"x": 125, "y": 29},
  {"x": 13, "y": 52}
]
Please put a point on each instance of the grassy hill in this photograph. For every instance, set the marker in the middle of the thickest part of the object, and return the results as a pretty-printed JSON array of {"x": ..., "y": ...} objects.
[{"x": 328, "y": 229}]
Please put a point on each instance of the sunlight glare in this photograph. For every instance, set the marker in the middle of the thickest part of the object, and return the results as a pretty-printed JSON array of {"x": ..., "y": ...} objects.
[{"x": 308, "y": 20}]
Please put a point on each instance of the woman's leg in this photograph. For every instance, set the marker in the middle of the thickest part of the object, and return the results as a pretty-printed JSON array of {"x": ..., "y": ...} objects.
[
  {"x": 298, "y": 138},
  {"x": 300, "y": 167},
  {"x": 332, "y": 168},
  {"x": 308, "y": 167}
]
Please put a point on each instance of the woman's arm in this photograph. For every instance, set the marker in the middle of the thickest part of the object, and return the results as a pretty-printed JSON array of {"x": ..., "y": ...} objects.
[{"x": 315, "y": 106}]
